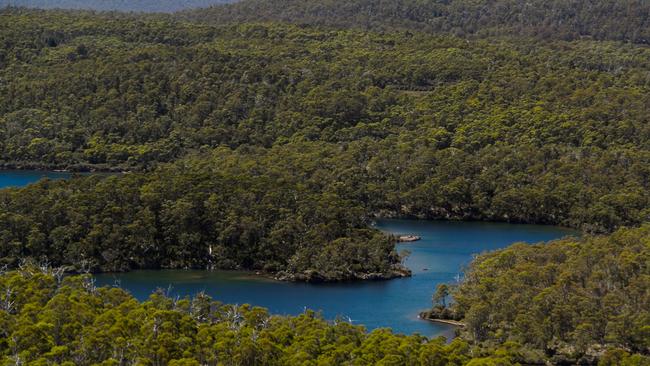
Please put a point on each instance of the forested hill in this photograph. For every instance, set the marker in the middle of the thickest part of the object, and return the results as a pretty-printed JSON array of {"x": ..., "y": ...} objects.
[
  {"x": 566, "y": 303},
  {"x": 548, "y": 132},
  {"x": 624, "y": 20},
  {"x": 167, "y": 6},
  {"x": 570, "y": 298}
]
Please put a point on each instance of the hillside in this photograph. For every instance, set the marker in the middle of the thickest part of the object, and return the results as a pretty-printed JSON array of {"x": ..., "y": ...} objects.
[
  {"x": 268, "y": 135},
  {"x": 166, "y": 6},
  {"x": 47, "y": 319},
  {"x": 570, "y": 299},
  {"x": 627, "y": 20},
  {"x": 401, "y": 124},
  {"x": 570, "y": 302}
]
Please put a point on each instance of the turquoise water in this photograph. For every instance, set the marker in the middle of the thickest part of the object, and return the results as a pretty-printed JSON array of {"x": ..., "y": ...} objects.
[
  {"x": 19, "y": 178},
  {"x": 439, "y": 257}
]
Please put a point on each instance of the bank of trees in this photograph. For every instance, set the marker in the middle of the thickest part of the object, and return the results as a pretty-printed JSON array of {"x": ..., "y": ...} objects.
[
  {"x": 571, "y": 298},
  {"x": 48, "y": 319},
  {"x": 114, "y": 5},
  {"x": 300, "y": 208},
  {"x": 621, "y": 20},
  {"x": 408, "y": 123},
  {"x": 194, "y": 215},
  {"x": 271, "y": 146}
]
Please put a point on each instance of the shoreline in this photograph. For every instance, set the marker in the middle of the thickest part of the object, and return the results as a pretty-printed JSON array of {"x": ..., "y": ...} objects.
[
  {"x": 309, "y": 277},
  {"x": 83, "y": 168},
  {"x": 445, "y": 321},
  {"x": 80, "y": 168},
  {"x": 409, "y": 238}
]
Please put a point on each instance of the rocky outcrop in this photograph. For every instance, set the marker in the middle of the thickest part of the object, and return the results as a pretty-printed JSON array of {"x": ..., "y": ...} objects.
[{"x": 408, "y": 238}]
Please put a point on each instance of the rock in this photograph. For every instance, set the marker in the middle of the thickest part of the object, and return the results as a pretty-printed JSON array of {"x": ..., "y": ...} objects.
[{"x": 407, "y": 238}]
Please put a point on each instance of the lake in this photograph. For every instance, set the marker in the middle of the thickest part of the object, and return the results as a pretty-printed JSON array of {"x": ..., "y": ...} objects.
[
  {"x": 439, "y": 257},
  {"x": 19, "y": 178}
]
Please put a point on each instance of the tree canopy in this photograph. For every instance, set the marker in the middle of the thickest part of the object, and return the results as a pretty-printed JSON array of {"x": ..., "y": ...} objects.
[
  {"x": 402, "y": 124},
  {"x": 49, "y": 319},
  {"x": 621, "y": 20},
  {"x": 167, "y": 6},
  {"x": 267, "y": 135},
  {"x": 570, "y": 298}
]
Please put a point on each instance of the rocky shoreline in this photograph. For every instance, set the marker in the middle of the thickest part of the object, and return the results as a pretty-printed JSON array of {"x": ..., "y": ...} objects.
[
  {"x": 444, "y": 321},
  {"x": 313, "y": 276},
  {"x": 441, "y": 314},
  {"x": 408, "y": 238}
]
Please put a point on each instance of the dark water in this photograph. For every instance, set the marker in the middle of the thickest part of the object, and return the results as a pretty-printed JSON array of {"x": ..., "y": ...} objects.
[
  {"x": 19, "y": 178},
  {"x": 445, "y": 247}
]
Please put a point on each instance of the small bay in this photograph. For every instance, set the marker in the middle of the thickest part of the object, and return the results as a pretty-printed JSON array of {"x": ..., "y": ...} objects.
[
  {"x": 444, "y": 249},
  {"x": 438, "y": 257},
  {"x": 20, "y": 178}
]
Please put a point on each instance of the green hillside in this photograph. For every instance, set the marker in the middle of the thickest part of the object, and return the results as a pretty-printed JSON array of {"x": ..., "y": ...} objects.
[
  {"x": 267, "y": 135},
  {"x": 627, "y": 20}
]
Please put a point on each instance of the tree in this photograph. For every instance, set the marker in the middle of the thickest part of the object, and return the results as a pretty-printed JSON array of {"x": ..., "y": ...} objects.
[{"x": 440, "y": 296}]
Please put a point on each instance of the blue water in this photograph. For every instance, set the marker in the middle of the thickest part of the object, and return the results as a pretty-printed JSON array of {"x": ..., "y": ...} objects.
[
  {"x": 439, "y": 257},
  {"x": 20, "y": 178}
]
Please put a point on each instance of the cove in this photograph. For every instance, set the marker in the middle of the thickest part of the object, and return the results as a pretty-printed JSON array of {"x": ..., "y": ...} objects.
[
  {"x": 438, "y": 257},
  {"x": 20, "y": 178}
]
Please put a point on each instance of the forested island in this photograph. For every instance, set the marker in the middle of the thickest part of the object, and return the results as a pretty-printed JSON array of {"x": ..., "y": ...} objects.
[{"x": 267, "y": 135}]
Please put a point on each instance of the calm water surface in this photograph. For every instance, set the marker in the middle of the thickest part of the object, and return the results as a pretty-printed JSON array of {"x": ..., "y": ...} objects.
[
  {"x": 441, "y": 254},
  {"x": 439, "y": 257},
  {"x": 20, "y": 178}
]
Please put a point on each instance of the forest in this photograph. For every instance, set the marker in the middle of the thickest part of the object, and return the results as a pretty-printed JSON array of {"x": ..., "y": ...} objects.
[
  {"x": 267, "y": 136},
  {"x": 164, "y": 6},
  {"x": 568, "y": 299},
  {"x": 567, "y": 302},
  {"x": 401, "y": 124},
  {"x": 194, "y": 215},
  {"x": 47, "y": 318},
  {"x": 321, "y": 130},
  {"x": 620, "y": 20}
]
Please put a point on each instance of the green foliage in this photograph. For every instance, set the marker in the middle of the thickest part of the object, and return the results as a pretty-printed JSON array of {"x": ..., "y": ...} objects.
[
  {"x": 193, "y": 214},
  {"x": 441, "y": 294},
  {"x": 271, "y": 146},
  {"x": 115, "y": 5},
  {"x": 625, "y": 20},
  {"x": 402, "y": 124},
  {"x": 573, "y": 298},
  {"x": 54, "y": 320}
]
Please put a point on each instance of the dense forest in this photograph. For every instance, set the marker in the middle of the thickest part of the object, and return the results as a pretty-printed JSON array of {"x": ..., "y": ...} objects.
[
  {"x": 400, "y": 123},
  {"x": 47, "y": 319},
  {"x": 194, "y": 215},
  {"x": 569, "y": 298},
  {"x": 621, "y": 20},
  {"x": 167, "y": 6},
  {"x": 267, "y": 135}
]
